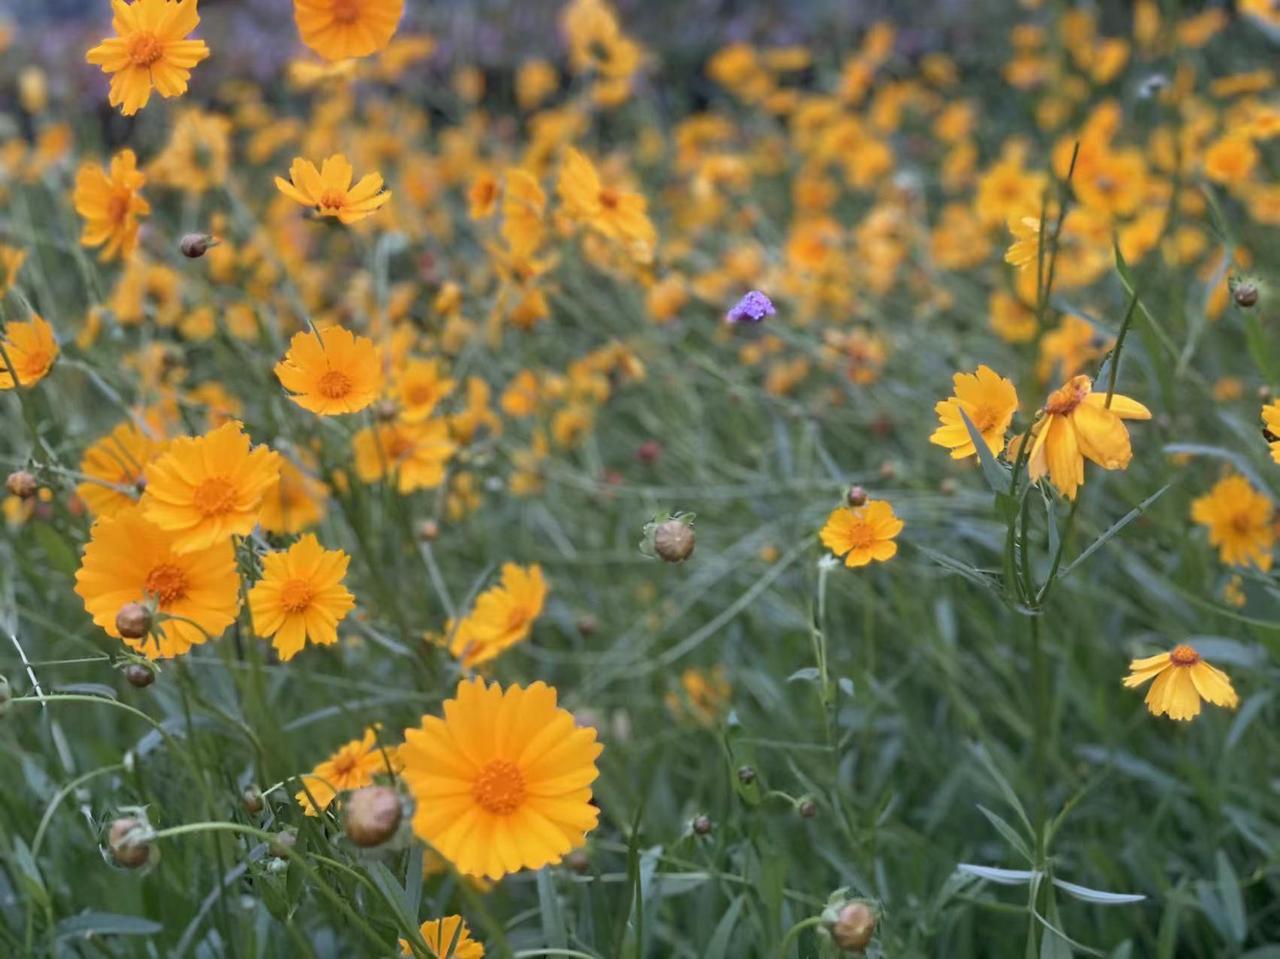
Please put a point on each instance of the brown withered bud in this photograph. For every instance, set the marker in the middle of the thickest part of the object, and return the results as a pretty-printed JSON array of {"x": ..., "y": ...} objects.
[
  {"x": 138, "y": 676},
  {"x": 702, "y": 825},
  {"x": 673, "y": 541},
  {"x": 127, "y": 843},
  {"x": 578, "y": 862},
  {"x": 854, "y": 927},
  {"x": 194, "y": 245},
  {"x": 372, "y": 815},
  {"x": 21, "y": 484},
  {"x": 857, "y": 496},
  {"x": 251, "y": 800},
  {"x": 428, "y": 530},
  {"x": 649, "y": 452},
  {"x": 133, "y": 621},
  {"x": 588, "y": 625},
  {"x": 1245, "y": 294}
]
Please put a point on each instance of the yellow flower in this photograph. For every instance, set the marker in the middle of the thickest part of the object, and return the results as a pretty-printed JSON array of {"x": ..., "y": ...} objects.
[
  {"x": 31, "y": 349},
  {"x": 419, "y": 387},
  {"x": 1025, "y": 249},
  {"x": 447, "y": 937},
  {"x": 1271, "y": 428},
  {"x": 523, "y": 205},
  {"x": 352, "y": 766},
  {"x": 340, "y": 29},
  {"x": 862, "y": 533},
  {"x": 130, "y": 560},
  {"x": 503, "y": 615},
  {"x": 1077, "y": 424},
  {"x": 110, "y": 204},
  {"x": 988, "y": 399},
  {"x": 620, "y": 216},
  {"x": 198, "y": 153},
  {"x": 329, "y": 189},
  {"x": 301, "y": 597},
  {"x": 208, "y": 488},
  {"x": 503, "y": 781},
  {"x": 1230, "y": 160},
  {"x": 1182, "y": 679},
  {"x": 149, "y": 51},
  {"x": 703, "y": 695},
  {"x": 1239, "y": 519},
  {"x": 331, "y": 371},
  {"x": 120, "y": 459},
  {"x": 415, "y": 453},
  {"x": 11, "y": 260}
]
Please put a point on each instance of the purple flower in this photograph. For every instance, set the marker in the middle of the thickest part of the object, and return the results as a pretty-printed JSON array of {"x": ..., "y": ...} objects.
[{"x": 752, "y": 308}]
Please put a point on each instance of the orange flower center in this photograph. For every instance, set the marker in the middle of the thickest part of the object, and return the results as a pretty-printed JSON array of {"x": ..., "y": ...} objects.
[
  {"x": 35, "y": 362},
  {"x": 333, "y": 199},
  {"x": 215, "y": 496},
  {"x": 500, "y": 787},
  {"x": 145, "y": 49},
  {"x": 296, "y": 595},
  {"x": 861, "y": 536},
  {"x": 343, "y": 765},
  {"x": 346, "y": 11},
  {"x": 118, "y": 205},
  {"x": 420, "y": 394},
  {"x": 167, "y": 583},
  {"x": 398, "y": 445},
  {"x": 334, "y": 385},
  {"x": 1064, "y": 400},
  {"x": 609, "y": 198},
  {"x": 984, "y": 418},
  {"x": 1184, "y": 655}
]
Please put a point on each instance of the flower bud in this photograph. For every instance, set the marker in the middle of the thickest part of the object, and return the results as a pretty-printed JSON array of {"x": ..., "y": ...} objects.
[
  {"x": 21, "y": 484},
  {"x": 673, "y": 540},
  {"x": 857, "y": 496},
  {"x": 372, "y": 815},
  {"x": 588, "y": 624},
  {"x": 746, "y": 775},
  {"x": 139, "y": 676},
  {"x": 701, "y": 825},
  {"x": 133, "y": 621},
  {"x": 251, "y": 800},
  {"x": 807, "y": 808},
  {"x": 128, "y": 842},
  {"x": 1245, "y": 293},
  {"x": 578, "y": 862},
  {"x": 649, "y": 452},
  {"x": 428, "y": 530},
  {"x": 854, "y": 926},
  {"x": 282, "y": 843},
  {"x": 194, "y": 245},
  {"x": 888, "y": 470}
]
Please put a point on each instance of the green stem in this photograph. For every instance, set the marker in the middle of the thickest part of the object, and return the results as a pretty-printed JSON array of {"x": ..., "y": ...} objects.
[{"x": 795, "y": 931}]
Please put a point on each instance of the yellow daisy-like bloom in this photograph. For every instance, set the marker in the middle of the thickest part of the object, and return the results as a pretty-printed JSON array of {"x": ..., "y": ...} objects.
[
  {"x": 450, "y": 937},
  {"x": 415, "y": 453},
  {"x": 341, "y": 29},
  {"x": 120, "y": 459},
  {"x": 1239, "y": 519},
  {"x": 296, "y": 502},
  {"x": 149, "y": 51},
  {"x": 419, "y": 387},
  {"x": 352, "y": 766},
  {"x": 1271, "y": 428},
  {"x": 110, "y": 204},
  {"x": 329, "y": 190},
  {"x": 988, "y": 399},
  {"x": 1182, "y": 679},
  {"x": 130, "y": 560},
  {"x": 503, "y": 781},
  {"x": 209, "y": 488},
  {"x": 503, "y": 615},
  {"x": 31, "y": 350},
  {"x": 301, "y": 597},
  {"x": 1025, "y": 249},
  {"x": 11, "y": 260},
  {"x": 862, "y": 533},
  {"x": 620, "y": 216},
  {"x": 332, "y": 371},
  {"x": 1077, "y": 424}
]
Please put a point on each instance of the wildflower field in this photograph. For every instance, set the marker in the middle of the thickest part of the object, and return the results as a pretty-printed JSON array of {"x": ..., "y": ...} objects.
[{"x": 566, "y": 484}]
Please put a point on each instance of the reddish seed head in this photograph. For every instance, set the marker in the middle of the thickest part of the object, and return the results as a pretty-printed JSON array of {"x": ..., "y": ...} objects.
[
  {"x": 372, "y": 815},
  {"x": 1184, "y": 655},
  {"x": 133, "y": 621},
  {"x": 21, "y": 484}
]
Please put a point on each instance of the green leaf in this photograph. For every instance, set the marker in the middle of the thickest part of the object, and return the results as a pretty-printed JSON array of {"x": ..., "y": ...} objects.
[
  {"x": 718, "y": 945},
  {"x": 1010, "y": 834},
  {"x": 105, "y": 924},
  {"x": 1010, "y": 797},
  {"x": 553, "y": 931},
  {"x": 1232, "y": 900},
  {"x": 1114, "y": 529},
  {"x": 1004, "y": 877},
  {"x": 1097, "y": 896},
  {"x": 998, "y": 477},
  {"x": 1241, "y": 464}
]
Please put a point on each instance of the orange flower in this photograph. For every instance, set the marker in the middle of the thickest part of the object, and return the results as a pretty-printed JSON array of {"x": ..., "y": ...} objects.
[
  {"x": 149, "y": 51},
  {"x": 110, "y": 203},
  {"x": 301, "y": 597},
  {"x": 618, "y": 215},
  {"x": 331, "y": 371},
  {"x": 340, "y": 29},
  {"x": 31, "y": 349},
  {"x": 862, "y": 533},
  {"x": 352, "y": 766},
  {"x": 329, "y": 189}
]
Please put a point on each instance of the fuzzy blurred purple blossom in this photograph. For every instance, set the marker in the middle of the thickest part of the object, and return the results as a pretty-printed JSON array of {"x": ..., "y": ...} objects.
[{"x": 752, "y": 308}]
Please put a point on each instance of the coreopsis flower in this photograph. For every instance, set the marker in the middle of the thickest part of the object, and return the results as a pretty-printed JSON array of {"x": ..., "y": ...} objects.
[
  {"x": 11, "y": 260},
  {"x": 109, "y": 202},
  {"x": 208, "y": 488},
  {"x": 523, "y": 206},
  {"x": 1239, "y": 520},
  {"x": 503, "y": 780},
  {"x": 419, "y": 387},
  {"x": 341, "y": 29},
  {"x": 416, "y": 454},
  {"x": 329, "y": 190},
  {"x": 613, "y": 213},
  {"x": 1025, "y": 249},
  {"x": 503, "y": 615},
  {"x": 198, "y": 153},
  {"x": 300, "y": 596},
  {"x": 862, "y": 533},
  {"x": 450, "y": 937},
  {"x": 988, "y": 399},
  {"x": 131, "y": 560},
  {"x": 703, "y": 695},
  {"x": 31, "y": 350},
  {"x": 115, "y": 465},
  {"x": 1182, "y": 679},
  {"x": 1271, "y": 428},
  {"x": 149, "y": 51},
  {"x": 331, "y": 371},
  {"x": 352, "y": 766},
  {"x": 1078, "y": 424},
  {"x": 1230, "y": 160},
  {"x": 295, "y": 503}
]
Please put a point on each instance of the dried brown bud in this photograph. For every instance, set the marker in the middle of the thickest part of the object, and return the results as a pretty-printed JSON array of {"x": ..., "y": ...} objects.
[
  {"x": 21, "y": 484},
  {"x": 702, "y": 825},
  {"x": 194, "y": 245},
  {"x": 1245, "y": 293},
  {"x": 673, "y": 540},
  {"x": 133, "y": 621},
  {"x": 854, "y": 927},
  {"x": 588, "y": 624},
  {"x": 127, "y": 842},
  {"x": 428, "y": 530},
  {"x": 649, "y": 452},
  {"x": 252, "y": 801},
  {"x": 372, "y": 815},
  {"x": 856, "y": 496},
  {"x": 578, "y": 862},
  {"x": 139, "y": 676},
  {"x": 807, "y": 808}
]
